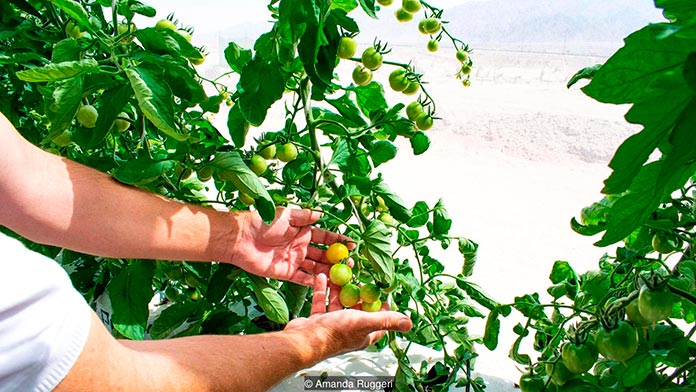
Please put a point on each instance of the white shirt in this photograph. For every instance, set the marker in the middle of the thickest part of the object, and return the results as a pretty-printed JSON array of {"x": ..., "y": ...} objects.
[{"x": 44, "y": 321}]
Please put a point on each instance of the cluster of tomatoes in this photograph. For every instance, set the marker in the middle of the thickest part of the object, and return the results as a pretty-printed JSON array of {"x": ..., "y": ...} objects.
[{"x": 341, "y": 274}]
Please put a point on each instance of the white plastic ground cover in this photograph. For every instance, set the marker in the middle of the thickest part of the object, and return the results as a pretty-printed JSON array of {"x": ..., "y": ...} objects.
[{"x": 366, "y": 363}]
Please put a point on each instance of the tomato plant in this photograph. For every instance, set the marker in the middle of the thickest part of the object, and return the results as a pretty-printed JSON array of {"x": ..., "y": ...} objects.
[
  {"x": 340, "y": 274},
  {"x": 336, "y": 253},
  {"x": 75, "y": 72},
  {"x": 349, "y": 295}
]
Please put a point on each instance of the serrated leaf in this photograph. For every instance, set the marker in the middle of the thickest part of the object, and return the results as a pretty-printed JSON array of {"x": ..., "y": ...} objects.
[
  {"x": 585, "y": 73},
  {"x": 270, "y": 301},
  {"x": 341, "y": 152},
  {"x": 370, "y": 98},
  {"x": 167, "y": 42},
  {"x": 260, "y": 85},
  {"x": 420, "y": 214},
  {"x": 155, "y": 99},
  {"x": 382, "y": 151},
  {"x": 130, "y": 293},
  {"x": 377, "y": 249},
  {"x": 59, "y": 71}
]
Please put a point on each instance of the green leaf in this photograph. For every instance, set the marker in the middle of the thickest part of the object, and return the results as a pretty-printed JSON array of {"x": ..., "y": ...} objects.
[
  {"x": 585, "y": 73},
  {"x": 155, "y": 99},
  {"x": 393, "y": 202},
  {"x": 66, "y": 50},
  {"x": 130, "y": 293},
  {"x": 62, "y": 104},
  {"x": 420, "y": 213},
  {"x": 683, "y": 141},
  {"x": 76, "y": 11},
  {"x": 637, "y": 370},
  {"x": 220, "y": 282},
  {"x": 114, "y": 100},
  {"x": 237, "y": 57},
  {"x": 468, "y": 249},
  {"x": 345, "y": 5},
  {"x": 441, "y": 221},
  {"x": 382, "y": 151},
  {"x": 347, "y": 108},
  {"x": 238, "y": 126},
  {"x": 420, "y": 143},
  {"x": 690, "y": 71},
  {"x": 377, "y": 249},
  {"x": 369, "y": 7},
  {"x": 260, "y": 85},
  {"x": 172, "y": 318},
  {"x": 476, "y": 293},
  {"x": 585, "y": 230},
  {"x": 231, "y": 167},
  {"x": 295, "y": 297},
  {"x": 167, "y": 42},
  {"x": 561, "y": 272},
  {"x": 680, "y": 10},
  {"x": 492, "y": 331},
  {"x": 59, "y": 71},
  {"x": 341, "y": 153},
  {"x": 370, "y": 98},
  {"x": 270, "y": 301},
  {"x": 647, "y": 65},
  {"x": 142, "y": 170}
]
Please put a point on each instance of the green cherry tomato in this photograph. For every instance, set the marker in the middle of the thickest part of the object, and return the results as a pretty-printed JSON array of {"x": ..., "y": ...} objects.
[
  {"x": 349, "y": 295},
  {"x": 258, "y": 164},
  {"x": 432, "y": 25},
  {"x": 346, "y": 47},
  {"x": 413, "y": 110},
  {"x": 371, "y": 58},
  {"x": 424, "y": 122},
  {"x": 340, "y": 274},
  {"x": 433, "y": 45},
  {"x": 634, "y": 315},
  {"x": 286, "y": 152},
  {"x": 386, "y": 218},
  {"x": 398, "y": 80},
  {"x": 463, "y": 56},
  {"x": 655, "y": 304},
  {"x": 165, "y": 24},
  {"x": 385, "y": 2},
  {"x": 268, "y": 152},
  {"x": 531, "y": 383},
  {"x": 662, "y": 243},
  {"x": 361, "y": 75},
  {"x": 403, "y": 16},
  {"x": 193, "y": 294},
  {"x": 559, "y": 373},
  {"x": 205, "y": 173},
  {"x": 87, "y": 116},
  {"x": 371, "y": 306},
  {"x": 122, "y": 122},
  {"x": 466, "y": 69},
  {"x": 124, "y": 28},
  {"x": 466, "y": 82},
  {"x": 370, "y": 293},
  {"x": 413, "y": 88},
  {"x": 411, "y": 6},
  {"x": 618, "y": 344},
  {"x": 579, "y": 358},
  {"x": 246, "y": 199},
  {"x": 421, "y": 26},
  {"x": 63, "y": 140},
  {"x": 336, "y": 253}
]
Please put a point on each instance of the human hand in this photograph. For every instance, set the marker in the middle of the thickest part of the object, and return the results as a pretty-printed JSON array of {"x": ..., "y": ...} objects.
[
  {"x": 339, "y": 330},
  {"x": 283, "y": 250}
]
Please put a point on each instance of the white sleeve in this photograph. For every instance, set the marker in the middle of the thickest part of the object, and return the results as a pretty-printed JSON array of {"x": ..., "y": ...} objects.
[{"x": 44, "y": 321}]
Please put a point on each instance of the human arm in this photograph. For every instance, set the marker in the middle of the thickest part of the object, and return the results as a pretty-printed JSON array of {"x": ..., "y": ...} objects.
[
  {"x": 227, "y": 363},
  {"x": 56, "y": 201}
]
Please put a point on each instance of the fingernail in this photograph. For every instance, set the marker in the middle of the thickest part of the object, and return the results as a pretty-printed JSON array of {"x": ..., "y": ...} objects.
[{"x": 404, "y": 325}]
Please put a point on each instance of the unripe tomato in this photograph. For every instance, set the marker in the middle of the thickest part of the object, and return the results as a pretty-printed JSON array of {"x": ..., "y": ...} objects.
[
  {"x": 579, "y": 358},
  {"x": 466, "y": 69},
  {"x": 336, "y": 253},
  {"x": 530, "y": 383},
  {"x": 124, "y": 28},
  {"x": 433, "y": 45},
  {"x": 386, "y": 218},
  {"x": 424, "y": 122},
  {"x": 257, "y": 164},
  {"x": 466, "y": 82},
  {"x": 634, "y": 315},
  {"x": 371, "y": 306},
  {"x": 370, "y": 293},
  {"x": 197, "y": 60},
  {"x": 413, "y": 88},
  {"x": 371, "y": 58},
  {"x": 662, "y": 243},
  {"x": 349, "y": 295},
  {"x": 346, "y": 47},
  {"x": 287, "y": 152},
  {"x": 413, "y": 110},
  {"x": 421, "y": 27},
  {"x": 64, "y": 139},
  {"x": 184, "y": 34},
  {"x": 463, "y": 56},
  {"x": 246, "y": 199},
  {"x": 559, "y": 373},
  {"x": 165, "y": 24},
  {"x": 385, "y": 2},
  {"x": 268, "y": 152},
  {"x": 411, "y": 6},
  {"x": 361, "y": 75},
  {"x": 121, "y": 124},
  {"x": 205, "y": 173},
  {"x": 398, "y": 80},
  {"x": 403, "y": 16},
  {"x": 618, "y": 344},
  {"x": 340, "y": 274},
  {"x": 655, "y": 304},
  {"x": 432, "y": 25},
  {"x": 87, "y": 116},
  {"x": 72, "y": 31}
]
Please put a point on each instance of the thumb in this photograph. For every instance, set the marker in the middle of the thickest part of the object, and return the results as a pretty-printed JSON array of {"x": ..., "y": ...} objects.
[{"x": 304, "y": 217}]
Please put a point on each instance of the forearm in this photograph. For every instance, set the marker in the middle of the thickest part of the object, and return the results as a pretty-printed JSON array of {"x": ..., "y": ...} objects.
[{"x": 69, "y": 205}]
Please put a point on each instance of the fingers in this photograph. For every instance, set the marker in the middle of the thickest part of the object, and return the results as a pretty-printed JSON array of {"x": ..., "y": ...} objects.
[
  {"x": 388, "y": 321},
  {"x": 321, "y": 236},
  {"x": 304, "y": 217},
  {"x": 319, "y": 299}
]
